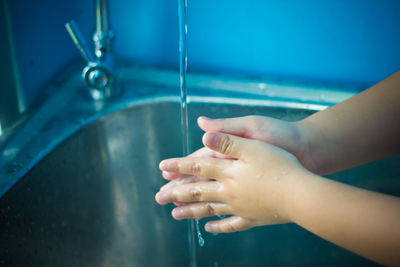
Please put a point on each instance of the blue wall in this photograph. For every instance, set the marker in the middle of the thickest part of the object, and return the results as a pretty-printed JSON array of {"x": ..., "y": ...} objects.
[
  {"x": 339, "y": 41},
  {"x": 351, "y": 43},
  {"x": 42, "y": 45}
]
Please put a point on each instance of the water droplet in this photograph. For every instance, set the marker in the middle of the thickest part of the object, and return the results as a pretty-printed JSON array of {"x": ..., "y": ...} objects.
[
  {"x": 199, "y": 236},
  {"x": 201, "y": 239}
]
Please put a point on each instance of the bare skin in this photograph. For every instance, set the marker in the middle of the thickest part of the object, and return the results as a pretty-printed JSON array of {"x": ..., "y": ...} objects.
[
  {"x": 261, "y": 184},
  {"x": 362, "y": 129},
  {"x": 335, "y": 139}
]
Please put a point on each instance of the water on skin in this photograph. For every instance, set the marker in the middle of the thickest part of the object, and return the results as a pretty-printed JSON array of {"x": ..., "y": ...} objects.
[{"x": 182, "y": 6}]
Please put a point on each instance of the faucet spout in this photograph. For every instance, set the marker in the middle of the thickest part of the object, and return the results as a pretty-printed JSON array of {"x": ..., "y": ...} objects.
[
  {"x": 103, "y": 36},
  {"x": 101, "y": 16},
  {"x": 99, "y": 71}
]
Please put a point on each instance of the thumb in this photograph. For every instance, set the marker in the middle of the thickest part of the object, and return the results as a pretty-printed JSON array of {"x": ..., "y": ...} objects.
[
  {"x": 230, "y": 145},
  {"x": 241, "y": 126},
  {"x": 229, "y": 225}
]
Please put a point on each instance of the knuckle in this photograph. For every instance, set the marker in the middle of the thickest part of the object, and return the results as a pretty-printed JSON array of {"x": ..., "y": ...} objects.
[
  {"x": 210, "y": 209},
  {"x": 226, "y": 145},
  {"x": 195, "y": 194},
  {"x": 195, "y": 168}
]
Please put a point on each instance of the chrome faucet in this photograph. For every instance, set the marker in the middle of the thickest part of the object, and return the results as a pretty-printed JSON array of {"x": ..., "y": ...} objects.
[{"x": 99, "y": 71}]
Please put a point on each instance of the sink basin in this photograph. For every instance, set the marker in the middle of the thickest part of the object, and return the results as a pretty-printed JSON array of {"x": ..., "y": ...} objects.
[{"x": 90, "y": 200}]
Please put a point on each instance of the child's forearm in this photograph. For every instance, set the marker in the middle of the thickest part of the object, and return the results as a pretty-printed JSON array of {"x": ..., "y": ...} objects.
[
  {"x": 364, "y": 128},
  {"x": 364, "y": 222}
]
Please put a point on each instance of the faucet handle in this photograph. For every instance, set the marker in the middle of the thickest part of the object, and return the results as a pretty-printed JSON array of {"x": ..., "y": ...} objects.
[{"x": 80, "y": 42}]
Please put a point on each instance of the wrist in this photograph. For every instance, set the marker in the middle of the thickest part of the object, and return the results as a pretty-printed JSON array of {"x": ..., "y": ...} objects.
[
  {"x": 295, "y": 188},
  {"x": 308, "y": 146}
]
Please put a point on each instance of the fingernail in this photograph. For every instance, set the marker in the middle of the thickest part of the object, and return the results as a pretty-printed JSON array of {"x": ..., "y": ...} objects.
[
  {"x": 177, "y": 213},
  {"x": 210, "y": 139},
  {"x": 163, "y": 165},
  {"x": 160, "y": 197}
]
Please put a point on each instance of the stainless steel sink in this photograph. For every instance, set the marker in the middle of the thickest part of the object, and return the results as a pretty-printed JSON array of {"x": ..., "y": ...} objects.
[{"x": 89, "y": 201}]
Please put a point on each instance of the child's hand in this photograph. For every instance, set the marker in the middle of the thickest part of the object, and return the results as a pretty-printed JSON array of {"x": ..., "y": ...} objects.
[
  {"x": 290, "y": 136},
  {"x": 253, "y": 182}
]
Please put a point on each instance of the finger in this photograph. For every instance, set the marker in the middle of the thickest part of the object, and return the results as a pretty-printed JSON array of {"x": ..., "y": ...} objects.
[
  {"x": 170, "y": 175},
  {"x": 173, "y": 175},
  {"x": 228, "y": 225},
  {"x": 204, "y": 152},
  {"x": 241, "y": 126},
  {"x": 203, "y": 167},
  {"x": 175, "y": 182},
  {"x": 195, "y": 192},
  {"x": 183, "y": 180},
  {"x": 171, "y": 184},
  {"x": 201, "y": 210},
  {"x": 231, "y": 145}
]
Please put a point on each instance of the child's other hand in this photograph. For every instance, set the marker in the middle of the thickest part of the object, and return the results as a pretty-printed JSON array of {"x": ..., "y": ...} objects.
[
  {"x": 253, "y": 181},
  {"x": 290, "y": 136}
]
